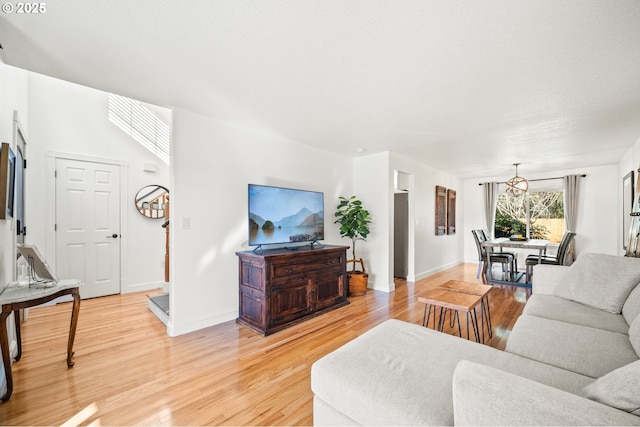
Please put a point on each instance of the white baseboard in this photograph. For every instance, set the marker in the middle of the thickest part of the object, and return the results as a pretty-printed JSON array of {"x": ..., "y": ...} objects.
[
  {"x": 380, "y": 288},
  {"x": 175, "y": 330},
  {"x": 139, "y": 287},
  {"x": 435, "y": 270}
]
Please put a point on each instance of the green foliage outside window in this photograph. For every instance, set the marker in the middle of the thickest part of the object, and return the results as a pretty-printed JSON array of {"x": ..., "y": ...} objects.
[
  {"x": 511, "y": 213},
  {"x": 506, "y": 226}
]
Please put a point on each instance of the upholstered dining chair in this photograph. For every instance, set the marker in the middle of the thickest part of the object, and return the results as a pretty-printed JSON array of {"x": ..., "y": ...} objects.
[
  {"x": 496, "y": 257},
  {"x": 547, "y": 259},
  {"x": 514, "y": 266}
]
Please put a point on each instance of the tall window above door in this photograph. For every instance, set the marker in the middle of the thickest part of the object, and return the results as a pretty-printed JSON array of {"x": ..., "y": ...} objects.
[
  {"x": 537, "y": 214},
  {"x": 141, "y": 124}
]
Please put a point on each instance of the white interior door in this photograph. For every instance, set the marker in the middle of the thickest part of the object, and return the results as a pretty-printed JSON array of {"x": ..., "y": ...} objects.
[{"x": 88, "y": 225}]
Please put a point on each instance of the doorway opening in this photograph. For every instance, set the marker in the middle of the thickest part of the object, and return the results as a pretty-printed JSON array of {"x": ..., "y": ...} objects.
[
  {"x": 403, "y": 229},
  {"x": 401, "y": 235}
]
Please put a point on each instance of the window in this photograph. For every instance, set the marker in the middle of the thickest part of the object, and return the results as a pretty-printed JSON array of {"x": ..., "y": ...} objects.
[
  {"x": 141, "y": 124},
  {"x": 537, "y": 214}
]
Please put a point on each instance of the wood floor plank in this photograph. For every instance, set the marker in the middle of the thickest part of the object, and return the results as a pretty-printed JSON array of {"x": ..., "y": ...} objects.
[{"x": 129, "y": 372}]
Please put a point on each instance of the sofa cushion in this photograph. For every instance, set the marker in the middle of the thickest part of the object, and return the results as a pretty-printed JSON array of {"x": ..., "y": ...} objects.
[
  {"x": 547, "y": 278},
  {"x": 484, "y": 396},
  {"x": 620, "y": 388},
  {"x": 581, "y": 349},
  {"x": 399, "y": 373},
  {"x": 601, "y": 281},
  {"x": 556, "y": 308},
  {"x": 631, "y": 307},
  {"x": 634, "y": 334}
]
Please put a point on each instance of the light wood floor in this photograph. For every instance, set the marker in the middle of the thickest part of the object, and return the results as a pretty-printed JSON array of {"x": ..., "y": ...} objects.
[{"x": 129, "y": 372}]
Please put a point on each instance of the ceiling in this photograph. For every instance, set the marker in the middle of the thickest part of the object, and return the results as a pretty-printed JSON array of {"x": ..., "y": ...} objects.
[{"x": 468, "y": 87}]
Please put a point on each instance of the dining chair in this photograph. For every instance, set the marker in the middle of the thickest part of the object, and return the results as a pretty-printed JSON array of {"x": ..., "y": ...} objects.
[
  {"x": 558, "y": 259},
  {"x": 496, "y": 257},
  {"x": 514, "y": 266}
]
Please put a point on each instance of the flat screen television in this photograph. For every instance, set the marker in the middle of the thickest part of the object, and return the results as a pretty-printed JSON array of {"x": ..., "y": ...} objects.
[{"x": 284, "y": 215}]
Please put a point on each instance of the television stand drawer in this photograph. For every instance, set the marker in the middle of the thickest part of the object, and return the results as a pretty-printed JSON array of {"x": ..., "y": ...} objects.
[{"x": 287, "y": 269}]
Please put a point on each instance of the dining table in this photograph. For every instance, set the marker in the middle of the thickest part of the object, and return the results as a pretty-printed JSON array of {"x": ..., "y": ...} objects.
[{"x": 505, "y": 242}]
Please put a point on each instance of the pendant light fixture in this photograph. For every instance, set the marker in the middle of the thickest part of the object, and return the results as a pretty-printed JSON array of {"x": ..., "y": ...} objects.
[{"x": 517, "y": 185}]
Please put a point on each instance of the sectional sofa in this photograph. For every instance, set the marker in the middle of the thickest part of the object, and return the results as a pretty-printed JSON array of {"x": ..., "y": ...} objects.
[{"x": 572, "y": 358}]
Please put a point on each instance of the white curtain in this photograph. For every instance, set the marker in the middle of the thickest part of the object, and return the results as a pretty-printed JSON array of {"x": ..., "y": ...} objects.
[
  {"x": 571, "y": 192},
  {"x": 490, "y": 202}
]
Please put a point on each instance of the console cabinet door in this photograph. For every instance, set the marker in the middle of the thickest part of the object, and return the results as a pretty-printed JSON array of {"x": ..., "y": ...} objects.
[
  {"x": 289, "y": 302},
  {"x": 251, "y": 298},
  {"x": 328, "y": 289},
  {"x": 252, "y": 306}
]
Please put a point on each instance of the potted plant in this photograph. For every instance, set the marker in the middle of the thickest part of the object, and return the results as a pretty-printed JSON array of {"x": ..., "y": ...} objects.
[{"x": 354, "y": 223}]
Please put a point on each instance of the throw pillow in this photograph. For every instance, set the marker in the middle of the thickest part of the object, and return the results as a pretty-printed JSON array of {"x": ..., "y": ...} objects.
[
  {"x": 601, "y": 281},
  {"x": 619, "y": 388}
]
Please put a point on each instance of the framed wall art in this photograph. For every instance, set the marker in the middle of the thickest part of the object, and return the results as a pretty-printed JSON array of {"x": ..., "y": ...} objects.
[
  {"x": 451, "y": 211},
  {"x": 441, "y": 210}
]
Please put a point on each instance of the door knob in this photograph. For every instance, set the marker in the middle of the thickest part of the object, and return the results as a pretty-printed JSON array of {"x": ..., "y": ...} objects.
[{"x": 114, "y": 236}]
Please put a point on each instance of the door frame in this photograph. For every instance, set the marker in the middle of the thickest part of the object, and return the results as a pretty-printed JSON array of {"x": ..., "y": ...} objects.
[
  {"x": 50, "y": 206},
  {"x": 409, "y": 183}
]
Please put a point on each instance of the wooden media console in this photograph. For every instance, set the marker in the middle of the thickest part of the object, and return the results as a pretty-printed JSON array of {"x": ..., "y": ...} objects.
[{"x": 281, "y": 287}]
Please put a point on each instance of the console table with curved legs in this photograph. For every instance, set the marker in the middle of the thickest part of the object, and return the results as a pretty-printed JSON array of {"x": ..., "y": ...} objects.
[{"x": 16, "y": 297}]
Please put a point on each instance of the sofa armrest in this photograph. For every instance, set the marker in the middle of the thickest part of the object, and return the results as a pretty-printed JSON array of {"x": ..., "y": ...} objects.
[
  {"x": 546, "y": 278},
  {"x": 487, "y": 396}
]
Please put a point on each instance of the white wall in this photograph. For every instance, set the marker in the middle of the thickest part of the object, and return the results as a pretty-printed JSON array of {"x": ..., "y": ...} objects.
[
  {"x": 373, "y": 185},
  {"x": 432, "y": 253},
  {"x": 13, "y": 96},
  {"x": 69, "y": 118},
  {"x": 599, "y": 209},
  {"x": 212, "y": 164},
  {"x": 428, "y": 253}
]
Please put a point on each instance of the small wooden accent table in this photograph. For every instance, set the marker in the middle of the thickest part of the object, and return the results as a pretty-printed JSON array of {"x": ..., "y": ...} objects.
[
  {"x": 14, "y": 298},
  {"x": 451, "y": 300},
  {"x": 474, "y": 289}
]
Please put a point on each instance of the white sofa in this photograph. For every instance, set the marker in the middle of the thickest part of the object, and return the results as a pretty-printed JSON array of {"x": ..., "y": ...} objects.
[{"x": 572, "y": 359}]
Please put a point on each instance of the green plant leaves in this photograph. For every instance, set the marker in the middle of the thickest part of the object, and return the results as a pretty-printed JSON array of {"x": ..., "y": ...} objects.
[{"x": 354, "y": 220}]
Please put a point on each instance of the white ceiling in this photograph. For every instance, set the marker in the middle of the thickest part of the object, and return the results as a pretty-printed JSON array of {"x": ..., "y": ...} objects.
[{"x": 468, "y": 87}]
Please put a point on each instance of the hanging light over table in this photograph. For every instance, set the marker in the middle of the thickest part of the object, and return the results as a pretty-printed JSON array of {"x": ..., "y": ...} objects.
[{"x": 517, "y": 185}]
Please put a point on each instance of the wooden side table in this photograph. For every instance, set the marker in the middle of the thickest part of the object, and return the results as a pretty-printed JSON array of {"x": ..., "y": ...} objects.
[
  {"x": 455, "y": 301},
  {"x": 16, "y": 297},
  {"x": 474, "y": 289}
]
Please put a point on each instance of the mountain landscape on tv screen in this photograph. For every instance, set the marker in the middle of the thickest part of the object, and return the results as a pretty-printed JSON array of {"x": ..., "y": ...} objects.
[{"x": 303, "y": 226}]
